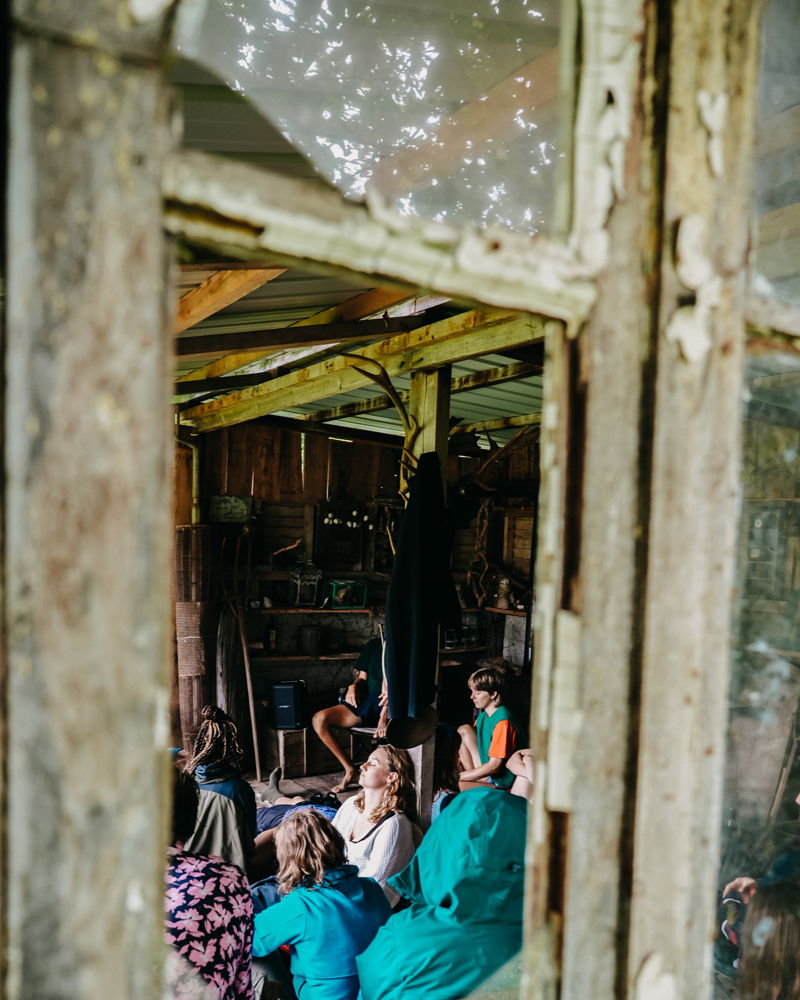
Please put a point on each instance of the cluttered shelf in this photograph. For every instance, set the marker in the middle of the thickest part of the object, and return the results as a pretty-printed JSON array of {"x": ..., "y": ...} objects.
[
  {"x": 507, "y": 611},
  {"x": 463, "y": 649},
  {"x": 313, "y": 611},
  {"x": 303, "y": 657}
]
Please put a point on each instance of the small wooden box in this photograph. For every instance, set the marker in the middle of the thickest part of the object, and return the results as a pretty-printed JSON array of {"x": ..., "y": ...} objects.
[{"x": 301, "y": 752}]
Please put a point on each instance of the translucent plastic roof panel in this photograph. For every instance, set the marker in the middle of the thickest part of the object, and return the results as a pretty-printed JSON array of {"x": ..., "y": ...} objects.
[
  {"x": 776, "y": 174},
  {"x": 447, "y": 110}
]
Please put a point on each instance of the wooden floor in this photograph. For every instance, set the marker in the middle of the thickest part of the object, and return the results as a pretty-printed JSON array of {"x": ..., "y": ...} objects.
[{"x": 302, "y": 786}]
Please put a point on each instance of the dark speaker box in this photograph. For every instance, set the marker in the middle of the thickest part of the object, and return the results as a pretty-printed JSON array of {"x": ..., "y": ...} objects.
[{"x": 288, "y": 701}]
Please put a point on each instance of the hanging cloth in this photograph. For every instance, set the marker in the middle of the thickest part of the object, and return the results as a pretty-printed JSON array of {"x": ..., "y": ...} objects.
[{"x": 421, "y": 596}]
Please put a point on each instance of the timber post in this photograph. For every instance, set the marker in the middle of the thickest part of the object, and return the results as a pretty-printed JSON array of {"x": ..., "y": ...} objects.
[{"x": 87, "y": 558}]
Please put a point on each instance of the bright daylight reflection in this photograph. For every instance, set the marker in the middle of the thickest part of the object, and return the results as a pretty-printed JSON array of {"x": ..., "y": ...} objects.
[{"x": 447, "y": 110}]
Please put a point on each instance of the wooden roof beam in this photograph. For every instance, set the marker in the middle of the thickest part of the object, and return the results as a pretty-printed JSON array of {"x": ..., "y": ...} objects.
[
  {"x": 499, "y": 424},
  {"x": 468, "y": 335},
  {"x": 355, "y": 308},
  {"x": 287, "y": 337},
  {"x": 190, "y": 267},
  {"x": 464, "y": 383},
  {"x": 219, "y": 291}
]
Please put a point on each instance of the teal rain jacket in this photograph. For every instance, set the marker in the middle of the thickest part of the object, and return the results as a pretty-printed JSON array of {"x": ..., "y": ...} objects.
[
  {"x": 326, "y": 926},
  {"x": 465, "y": 885}
]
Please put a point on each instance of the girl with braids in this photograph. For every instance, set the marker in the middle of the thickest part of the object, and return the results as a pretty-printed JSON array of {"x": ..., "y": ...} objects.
[
  {"x": 379, "y": 823},
  {"x": 226, "y": 821},
  {"x": 327, "y": 914}
]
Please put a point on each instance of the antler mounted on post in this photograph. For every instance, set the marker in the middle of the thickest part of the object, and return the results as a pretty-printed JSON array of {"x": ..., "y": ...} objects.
[{"x": 380, "y": 377}]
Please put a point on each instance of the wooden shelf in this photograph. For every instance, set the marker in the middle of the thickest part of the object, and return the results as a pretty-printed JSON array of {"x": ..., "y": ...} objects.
[
  {"x": 305, "y": 657},
  {"x": 464, "y": 649},
  {"x": 507, "y": 611},
  {"x": 311, "y": 611}
]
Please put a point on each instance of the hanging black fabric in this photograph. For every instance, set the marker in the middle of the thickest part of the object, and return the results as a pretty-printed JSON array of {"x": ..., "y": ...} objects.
[{"x": 422, "y": 595}]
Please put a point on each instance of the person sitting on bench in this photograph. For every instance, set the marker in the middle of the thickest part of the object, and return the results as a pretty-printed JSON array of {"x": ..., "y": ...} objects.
[{"x": 364, "y": 704}]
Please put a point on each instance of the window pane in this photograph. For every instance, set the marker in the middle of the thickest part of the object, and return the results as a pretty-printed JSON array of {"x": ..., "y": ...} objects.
[
  {"x": 777, "y": 166},
  {"x": 447, "y": 110},
  {"x": 760, "y": 833}
]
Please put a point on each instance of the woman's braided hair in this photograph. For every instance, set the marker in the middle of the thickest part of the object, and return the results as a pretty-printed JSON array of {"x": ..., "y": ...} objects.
[{"x": 217, "y": 741}]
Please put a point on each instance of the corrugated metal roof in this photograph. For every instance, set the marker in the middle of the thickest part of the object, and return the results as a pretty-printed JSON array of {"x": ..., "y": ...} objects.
[{"x": 220, "y": 121}]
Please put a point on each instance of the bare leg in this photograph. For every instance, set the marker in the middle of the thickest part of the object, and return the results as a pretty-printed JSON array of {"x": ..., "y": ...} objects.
[
  {"x": 341, "y": 716},
  {"x": 468, "y": 751},
  {"x": 521, "y": 787},
  {"x": 263, "y": 856},
  {"x": 521, "y": 765}
]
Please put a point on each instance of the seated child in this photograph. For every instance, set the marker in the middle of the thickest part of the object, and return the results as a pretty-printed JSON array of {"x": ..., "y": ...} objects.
[
  {"x": 209, "y": 913},
  {"x": 465, "y": 887},
  {"x": 328, "y": 914},
  {"x": 496, "y": 734}
]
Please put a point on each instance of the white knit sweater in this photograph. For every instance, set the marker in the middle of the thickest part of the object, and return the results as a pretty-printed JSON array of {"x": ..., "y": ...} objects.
[{"x": 384, "y": 851}]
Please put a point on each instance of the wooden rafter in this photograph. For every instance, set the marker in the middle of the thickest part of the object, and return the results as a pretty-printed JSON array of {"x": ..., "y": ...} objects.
[
  {"x": 287, "y": 337},
  {"x": 499, "y": 423},
  {"x": 220, "y": 290},
  {"x": 355, "y": 308},
  {"x": 216, "y": 385},
  {"x": 190, "y": 267},
  {"x": 471, "y": 334},
  {"x": 465, "y": 383}
]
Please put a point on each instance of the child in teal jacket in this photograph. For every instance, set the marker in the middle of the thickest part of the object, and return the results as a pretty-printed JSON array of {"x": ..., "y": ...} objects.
[{"x": 327, "y": 915}]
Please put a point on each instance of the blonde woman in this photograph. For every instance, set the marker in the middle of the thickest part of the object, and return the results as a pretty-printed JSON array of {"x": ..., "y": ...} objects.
[
  {"x": 379, "y": 823},
  {"x": 327, "y": 914}
]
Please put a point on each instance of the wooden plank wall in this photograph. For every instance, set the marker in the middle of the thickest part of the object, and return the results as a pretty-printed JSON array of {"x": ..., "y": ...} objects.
[
  {"x": 289, "y": 473},
  {"x": 182, "y": 487},
  {"x": 517, "y": 542},
  {"x": 277, "y": 465}
]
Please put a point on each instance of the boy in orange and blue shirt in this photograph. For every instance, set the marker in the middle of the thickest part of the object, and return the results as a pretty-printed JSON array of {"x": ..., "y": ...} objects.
[{"x": 496, "y": 735}]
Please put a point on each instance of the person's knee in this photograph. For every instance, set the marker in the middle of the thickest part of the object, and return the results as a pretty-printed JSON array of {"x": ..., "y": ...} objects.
[
  {"x": 465, "y": 731},
  {"x": 319, "y": 720}
]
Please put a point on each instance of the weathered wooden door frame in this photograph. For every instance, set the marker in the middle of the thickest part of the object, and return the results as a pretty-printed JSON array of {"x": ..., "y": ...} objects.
[{"x": 641, "y": 407}]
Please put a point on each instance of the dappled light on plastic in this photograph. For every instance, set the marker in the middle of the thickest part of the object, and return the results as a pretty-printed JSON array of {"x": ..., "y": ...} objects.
[
  {"x": 447, "y": 111},
  {"x": 776, "y": 175}
]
